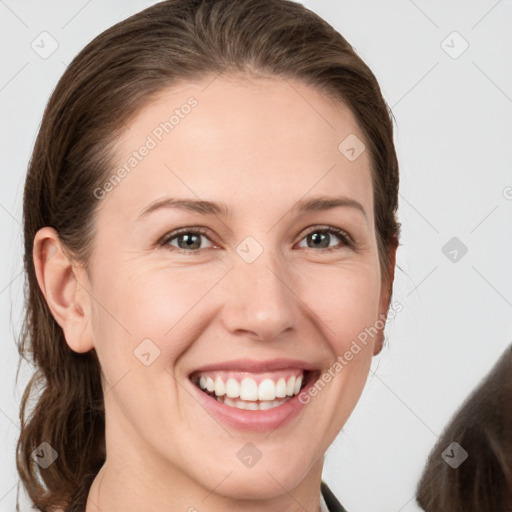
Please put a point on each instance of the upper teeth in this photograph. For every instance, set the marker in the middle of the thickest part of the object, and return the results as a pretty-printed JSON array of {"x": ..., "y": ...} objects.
[{"x": 248, "y": 389}]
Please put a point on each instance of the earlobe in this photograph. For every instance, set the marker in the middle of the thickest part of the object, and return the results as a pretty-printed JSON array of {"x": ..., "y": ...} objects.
[
  {"x": 65, "y": 295},
  {"x": 379, "y": 343}
]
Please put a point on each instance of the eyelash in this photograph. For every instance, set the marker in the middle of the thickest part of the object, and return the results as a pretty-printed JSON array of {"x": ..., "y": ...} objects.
[{"x": 342, "y": 235}]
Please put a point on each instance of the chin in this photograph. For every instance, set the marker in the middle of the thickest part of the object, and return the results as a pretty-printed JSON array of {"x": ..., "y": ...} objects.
[{"x": 268, "y": 482}]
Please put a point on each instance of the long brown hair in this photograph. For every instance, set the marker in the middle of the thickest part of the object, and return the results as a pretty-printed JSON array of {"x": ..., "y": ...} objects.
[
  {"x": 481, "y": 479},
  {"x": 106, "y": 84}
]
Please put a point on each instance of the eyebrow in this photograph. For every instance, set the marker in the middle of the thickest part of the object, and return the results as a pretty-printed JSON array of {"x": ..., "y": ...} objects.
[{"x": 320, "y": 203}]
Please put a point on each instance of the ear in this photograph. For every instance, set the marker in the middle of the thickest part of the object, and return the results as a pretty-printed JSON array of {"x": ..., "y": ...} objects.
[
  {"x": 64, "y": 286},
  {"x": 385, "y": 296}
]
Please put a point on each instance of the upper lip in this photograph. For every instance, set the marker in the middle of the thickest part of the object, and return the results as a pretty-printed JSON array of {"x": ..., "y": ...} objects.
[{"x": 251, "y": 365}]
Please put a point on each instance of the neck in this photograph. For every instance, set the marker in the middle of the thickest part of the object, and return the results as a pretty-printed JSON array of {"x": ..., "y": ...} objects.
[{"x": 132, "y": 489}]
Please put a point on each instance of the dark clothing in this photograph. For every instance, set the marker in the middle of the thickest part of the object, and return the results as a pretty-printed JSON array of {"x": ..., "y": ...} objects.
[{"x": 330, "y": 500}]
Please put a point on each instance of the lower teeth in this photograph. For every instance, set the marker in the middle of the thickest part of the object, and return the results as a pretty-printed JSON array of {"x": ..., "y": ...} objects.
[{"x": 252, "y": 406}]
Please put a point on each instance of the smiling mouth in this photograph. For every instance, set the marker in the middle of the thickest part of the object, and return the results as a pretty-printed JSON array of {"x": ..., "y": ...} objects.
[{"x": 243, "y": 390}]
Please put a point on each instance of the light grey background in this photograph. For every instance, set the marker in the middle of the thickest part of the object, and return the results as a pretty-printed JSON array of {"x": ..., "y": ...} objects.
[{"x": 453, "y": 129}]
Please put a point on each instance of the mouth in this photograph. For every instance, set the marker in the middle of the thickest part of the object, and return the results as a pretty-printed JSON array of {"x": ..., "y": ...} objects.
[{"x": 254, "y": 391}]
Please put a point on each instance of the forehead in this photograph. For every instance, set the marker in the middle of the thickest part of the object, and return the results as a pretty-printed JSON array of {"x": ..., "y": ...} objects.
[{"x": 251, "y": 141}]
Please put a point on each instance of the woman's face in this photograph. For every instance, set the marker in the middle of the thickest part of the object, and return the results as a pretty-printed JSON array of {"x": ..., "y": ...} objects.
[{"x": 264, "y": 281}]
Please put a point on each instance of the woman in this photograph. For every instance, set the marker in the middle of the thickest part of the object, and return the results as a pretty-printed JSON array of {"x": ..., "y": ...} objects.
[
  {"x": 210, "y": 225},
  {"x": 470, "y": 468}
]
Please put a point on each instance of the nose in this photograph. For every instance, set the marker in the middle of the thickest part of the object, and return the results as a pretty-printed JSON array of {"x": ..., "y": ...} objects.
[{"x": 260, "y": 301}]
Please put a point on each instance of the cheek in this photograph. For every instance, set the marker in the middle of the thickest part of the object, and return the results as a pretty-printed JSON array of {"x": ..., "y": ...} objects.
[
  {"x": 156, "y": 304},
  {"x": 345, "y": 299}
]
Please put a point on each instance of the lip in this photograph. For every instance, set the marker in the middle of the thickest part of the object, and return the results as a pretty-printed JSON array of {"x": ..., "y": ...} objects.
[
  {"x": 259, "y": 421},
  {"x": 251, "y": 365}
]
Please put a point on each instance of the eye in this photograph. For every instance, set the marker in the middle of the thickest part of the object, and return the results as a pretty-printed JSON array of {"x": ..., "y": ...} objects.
[
  {"x": 320, "y": 237},
  {"x": 188, "y": 239}
]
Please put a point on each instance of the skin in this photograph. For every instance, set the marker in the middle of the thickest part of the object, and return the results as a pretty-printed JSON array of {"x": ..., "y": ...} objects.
[{"x": 259, "y": 145}]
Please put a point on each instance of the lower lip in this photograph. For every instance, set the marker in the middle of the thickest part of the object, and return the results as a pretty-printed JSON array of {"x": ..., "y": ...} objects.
[{"x": 260, "y": 421}]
